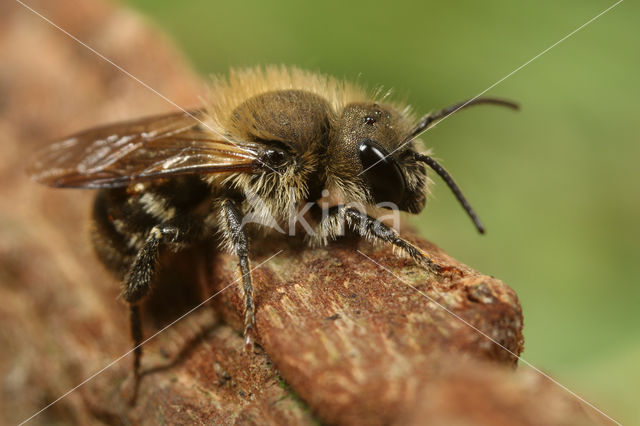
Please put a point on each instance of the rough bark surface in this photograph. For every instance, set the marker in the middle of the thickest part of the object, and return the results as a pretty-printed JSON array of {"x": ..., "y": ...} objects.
[{"x": 342, "y": 340}]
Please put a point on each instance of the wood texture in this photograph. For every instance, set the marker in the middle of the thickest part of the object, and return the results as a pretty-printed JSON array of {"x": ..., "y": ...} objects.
[{"x": 342, "y": 341}]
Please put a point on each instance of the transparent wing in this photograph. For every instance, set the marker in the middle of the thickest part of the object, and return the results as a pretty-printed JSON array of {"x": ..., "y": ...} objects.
[{"x": 154, "y": 147}]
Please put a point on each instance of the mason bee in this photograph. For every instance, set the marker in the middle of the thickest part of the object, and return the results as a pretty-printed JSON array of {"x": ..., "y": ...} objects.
[{"x": 287, "y": 137}]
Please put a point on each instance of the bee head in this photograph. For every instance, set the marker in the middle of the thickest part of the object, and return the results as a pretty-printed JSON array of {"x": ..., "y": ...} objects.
[
  {"x": 378, "y": 142},
  {"x": 368, "y": 144}
]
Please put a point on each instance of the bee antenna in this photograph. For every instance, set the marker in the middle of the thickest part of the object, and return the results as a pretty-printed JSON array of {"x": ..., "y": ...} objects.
[
  {"x": 426, "y": 121},
  {"x": 453, "y": 187}
]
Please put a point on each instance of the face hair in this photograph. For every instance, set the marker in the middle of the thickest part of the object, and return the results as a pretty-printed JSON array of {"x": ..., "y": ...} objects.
[
  {"x": 454, "y": 188},
  {"x": 430, "y": 118}
]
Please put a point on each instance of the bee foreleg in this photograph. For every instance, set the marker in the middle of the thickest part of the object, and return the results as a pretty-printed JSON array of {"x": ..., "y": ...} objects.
[
  {"x": 237, "y": 236},
  {"x": 372, "y": 228}
]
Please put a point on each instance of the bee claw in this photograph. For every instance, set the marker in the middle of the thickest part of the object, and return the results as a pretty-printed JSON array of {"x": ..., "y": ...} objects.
[
  {"x": 131, "y": 394},
  {"x": 249, "y": 342},
  {"x": 444, "y": 271},
  {"x": 451, "y": 272},
  {"x": 435, "y": 268}
]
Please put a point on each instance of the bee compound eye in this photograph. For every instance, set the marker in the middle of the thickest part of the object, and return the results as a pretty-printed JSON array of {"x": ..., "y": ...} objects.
[{"x": 381, "y": 172}]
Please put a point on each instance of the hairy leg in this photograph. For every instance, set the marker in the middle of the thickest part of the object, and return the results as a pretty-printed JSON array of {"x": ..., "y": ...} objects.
[
  {"x": 137, "y": 284},
  {"x": 372, "y": 229},
  {"x": 239, "y": 242}
]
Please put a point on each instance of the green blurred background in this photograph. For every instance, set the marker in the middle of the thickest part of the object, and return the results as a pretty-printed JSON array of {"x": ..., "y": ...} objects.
[{"x": 556, "y": 184}]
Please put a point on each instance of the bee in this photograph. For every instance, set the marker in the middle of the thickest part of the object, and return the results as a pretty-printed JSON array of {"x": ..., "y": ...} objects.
[{"x": 284, "y": 135}]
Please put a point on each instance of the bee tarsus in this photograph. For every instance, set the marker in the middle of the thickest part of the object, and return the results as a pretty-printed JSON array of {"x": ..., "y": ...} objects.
[{"x": 136, "y": 335}]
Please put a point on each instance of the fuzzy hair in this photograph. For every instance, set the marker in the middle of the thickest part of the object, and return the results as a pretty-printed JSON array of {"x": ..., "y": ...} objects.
[
  {"x": 226, "y": 94},
  {"x": 281, "y": 193}
]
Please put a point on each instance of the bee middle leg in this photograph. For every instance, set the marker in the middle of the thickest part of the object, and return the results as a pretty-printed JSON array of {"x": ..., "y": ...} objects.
[{"x": 239, "y": 241}]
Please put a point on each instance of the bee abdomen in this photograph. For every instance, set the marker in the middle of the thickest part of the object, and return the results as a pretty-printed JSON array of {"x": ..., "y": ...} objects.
[
  {"x": 123, "y": 217},
  {"x": 111, "y": 234}
]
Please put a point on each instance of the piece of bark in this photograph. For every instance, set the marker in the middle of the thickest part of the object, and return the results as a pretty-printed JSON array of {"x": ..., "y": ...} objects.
[
  {"x": 356, "y": 342},
  {"x": 342, "y": 340}
]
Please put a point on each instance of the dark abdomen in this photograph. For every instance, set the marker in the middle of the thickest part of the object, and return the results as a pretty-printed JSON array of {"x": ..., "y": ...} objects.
[{"x": 123, "y": 217}]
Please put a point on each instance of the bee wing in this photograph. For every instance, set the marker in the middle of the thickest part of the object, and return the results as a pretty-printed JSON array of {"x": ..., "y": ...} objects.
[{"x": 154, "y": 147}]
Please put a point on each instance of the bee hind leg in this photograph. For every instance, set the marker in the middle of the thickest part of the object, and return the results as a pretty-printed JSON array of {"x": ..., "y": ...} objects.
[
  {"x": 137, "y": 284},
  {"x": 239, "y": 242},
  {"x": 136, "y": 334}
]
